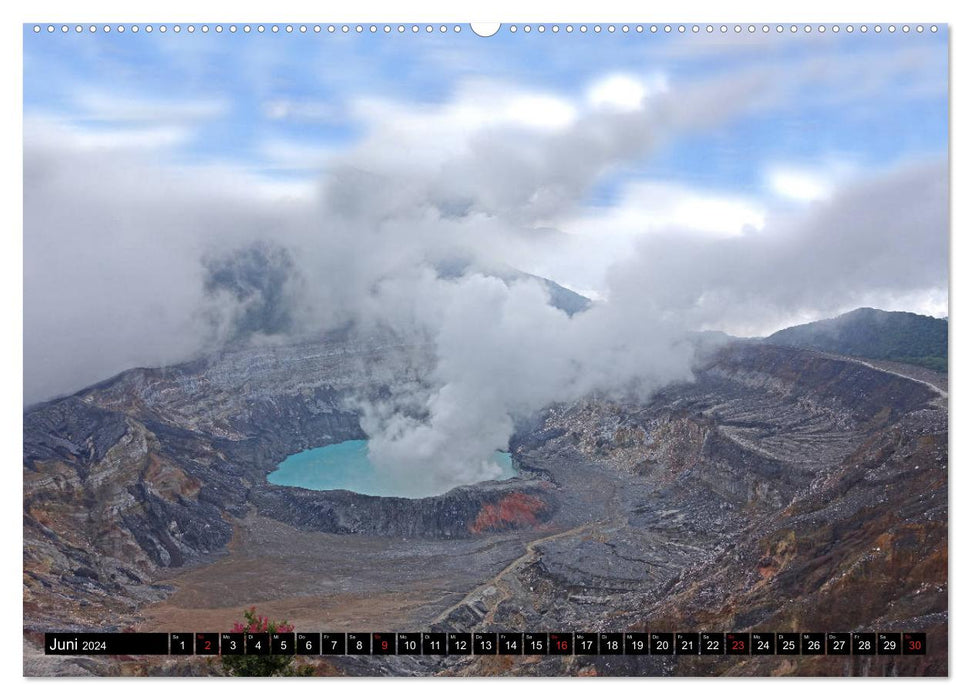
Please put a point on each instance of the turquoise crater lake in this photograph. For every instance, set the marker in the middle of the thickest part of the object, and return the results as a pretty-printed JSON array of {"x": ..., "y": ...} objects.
[{"x": 346, "y": 466}]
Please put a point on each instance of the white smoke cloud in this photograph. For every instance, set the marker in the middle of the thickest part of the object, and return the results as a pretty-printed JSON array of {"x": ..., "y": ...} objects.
[{"x": 502, "y": 353}]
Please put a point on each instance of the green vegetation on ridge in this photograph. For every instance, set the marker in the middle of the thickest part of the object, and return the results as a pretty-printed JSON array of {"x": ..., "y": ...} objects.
[{"x": 871, "y": 333}]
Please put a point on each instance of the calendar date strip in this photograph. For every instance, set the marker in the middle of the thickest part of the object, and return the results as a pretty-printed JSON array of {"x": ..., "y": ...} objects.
[{"x": 487, "y": 643}]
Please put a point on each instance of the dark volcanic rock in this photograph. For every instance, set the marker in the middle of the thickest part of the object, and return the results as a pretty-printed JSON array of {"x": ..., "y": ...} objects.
[
  {"x": 451, "y": 515},
  {"x": 70, "y": 429}
]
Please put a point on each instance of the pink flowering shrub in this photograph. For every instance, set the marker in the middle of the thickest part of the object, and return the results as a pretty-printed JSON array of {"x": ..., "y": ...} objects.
[
  {"x": 270, "y": 665},
  {"x": 260, "y": 623}
]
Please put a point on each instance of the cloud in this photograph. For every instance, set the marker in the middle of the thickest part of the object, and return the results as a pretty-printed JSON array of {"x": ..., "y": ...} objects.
[
  {"x": 876, "y": 241},
  {"x": 808, "y": 184},
  {"x": 599, "y": 235},
  {"x": 55, "y": 130},
  {"x": 798, "y": 185},
  {"x": 490, "y": 155},
  {"x": 98, "y": 105},
  {"x": 283, "y": 154},
  {"x": 114, "y": 246},
  {"x": 624, "y": 92},
  {"x": 302, "y": 110},
  {"x": 254, "y": 290}
]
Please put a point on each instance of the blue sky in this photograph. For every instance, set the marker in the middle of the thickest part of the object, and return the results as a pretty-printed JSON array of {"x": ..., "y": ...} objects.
[{"x": 868, "y": 100}]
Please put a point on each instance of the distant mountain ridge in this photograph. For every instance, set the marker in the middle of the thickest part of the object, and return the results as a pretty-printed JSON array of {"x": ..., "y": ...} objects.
[
  {"x": 564, "y": 299},
  {"x": 871, "y": 333}
]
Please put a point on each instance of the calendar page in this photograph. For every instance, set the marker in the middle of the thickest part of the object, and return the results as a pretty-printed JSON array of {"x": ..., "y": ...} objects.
[{"x": 556, "y": 349}]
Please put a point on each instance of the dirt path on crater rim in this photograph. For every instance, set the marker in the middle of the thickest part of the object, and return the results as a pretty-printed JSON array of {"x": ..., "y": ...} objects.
[{"x": 497, "y": 582}]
